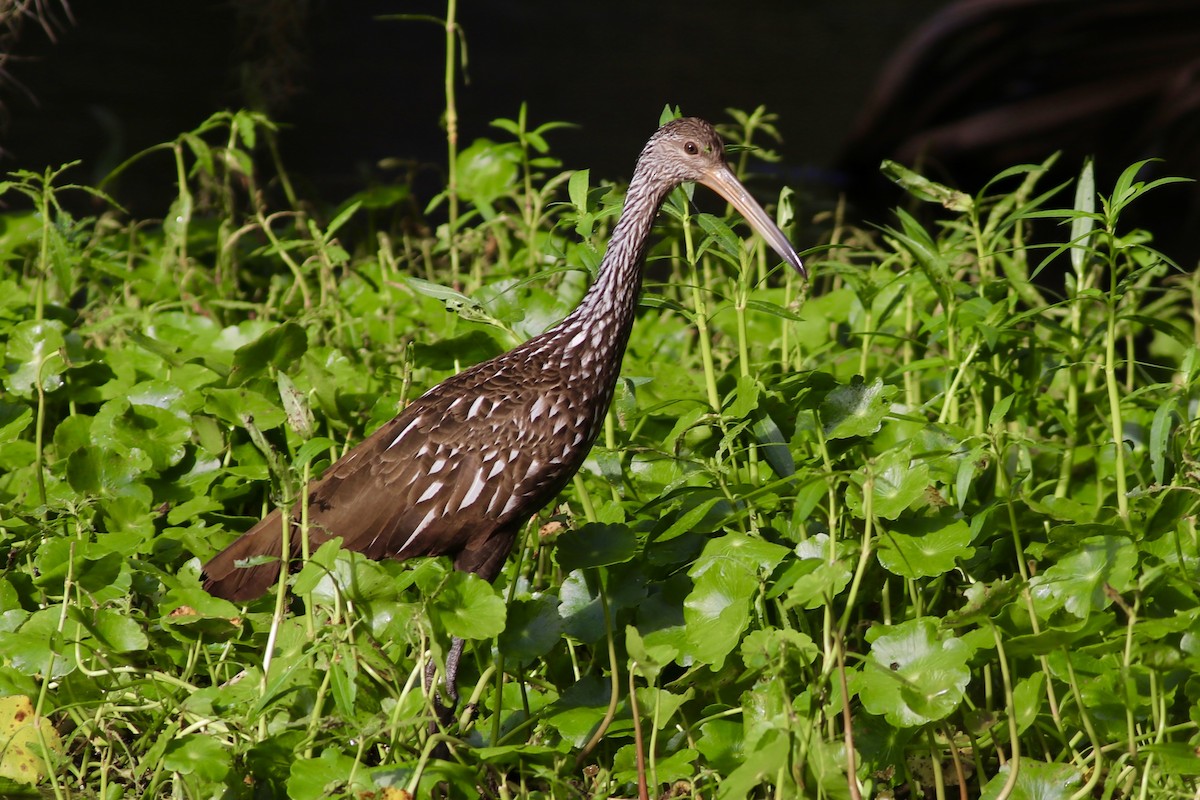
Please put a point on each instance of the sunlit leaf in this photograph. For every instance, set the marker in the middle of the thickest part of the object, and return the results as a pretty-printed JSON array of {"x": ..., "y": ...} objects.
[
  {"x": 486, "y": 170},
  {"x": 36, "y": 357},
  {"x": 933, "y": 548},
  {"x": 1080, "y": 581},
  {"x": 278, "y": 347},
  {"x": 725, "y": 577},
  {"x": 856, "y": 409},
  {"x": 1036, "y": 780},
  {"x": 468, "y": 607},
  {"x": 914, "y": 674}
]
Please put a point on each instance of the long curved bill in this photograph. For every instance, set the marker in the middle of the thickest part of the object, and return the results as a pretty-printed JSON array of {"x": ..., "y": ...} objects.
[{"x": 722, "y": 181}]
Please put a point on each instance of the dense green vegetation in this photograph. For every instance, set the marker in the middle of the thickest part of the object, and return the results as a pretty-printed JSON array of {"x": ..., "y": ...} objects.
[{"x": 960, "y": 498}]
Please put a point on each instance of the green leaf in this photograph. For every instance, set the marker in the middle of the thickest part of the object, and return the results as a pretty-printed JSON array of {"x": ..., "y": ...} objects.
[
  {"x": 295, "y": 406},
  {"x": 856, "y": 409},
  {"x": 91, "y": 564},
  {"x": 813, "y": 580},
  {"x": 1160, "y": 430},
  {"x": 279, "y": 347},
  {"x": 721, "y": 743},
  {"x": 123, "y": 427},
  {"x": 896, "y": 483},
  {"x": 999, "y": 411},
  {"x": 650, "y": 659},
  {"x": 36, "y": 357},
  {"x": 1036, "y": 780},
  {"x": 1080, "y": 581},
  {"x": 468, "y": 607},
  {"x": 580, "y": 609},
  {"x": 235, "y": 406},
  {"x": 913, "y": 675},
  {"x": 118, "y": 633},
  {"x": 577, "y": 189},
  {"x": 579, "y": 710},
  {"x": 760, "y": 765},
  {"x": 678, "y": 766},
  {"x": 725, "y": 578},
  {"x": 1085, "y": 222},
  {"x": 196, "y": 754},
  {"x": 343, "y": 216},
  {"x": 456, "y": 351},
  {"x": 595, "y": 544},
  {"x": 486, "y": 170},
  {"x": 696, "y": 508},
  {"x": 532, "y": 629},
  {"x": 745, "y": 398},
  {"x": 922, "y": 188},
  {"x": 774, "y": 447},
  {"x": 933, "y": 548},
  {"x": 1173, "y": 758},
  {"x": 13, "y": 421},
  {"x": 720, "y": 233},
  {"x": 317, "y": 778},
  {"x": 773, "y": 309},
  {"x": 1027, "y": 699},
  {"x": 772, "y": 647}
]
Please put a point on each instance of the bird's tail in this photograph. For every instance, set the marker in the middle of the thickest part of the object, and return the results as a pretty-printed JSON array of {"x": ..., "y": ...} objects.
[{"x": 224, "y": 577}]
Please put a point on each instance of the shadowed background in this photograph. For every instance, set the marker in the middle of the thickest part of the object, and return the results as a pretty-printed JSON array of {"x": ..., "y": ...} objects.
[{"x": 972, "y": 87}]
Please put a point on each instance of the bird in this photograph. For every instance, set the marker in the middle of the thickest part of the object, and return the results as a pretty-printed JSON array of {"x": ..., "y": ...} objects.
[{"x": 464, "y": 466}]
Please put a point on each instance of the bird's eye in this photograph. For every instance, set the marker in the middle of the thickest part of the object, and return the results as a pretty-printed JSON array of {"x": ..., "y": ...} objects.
[{"x": 691, "y": 148}]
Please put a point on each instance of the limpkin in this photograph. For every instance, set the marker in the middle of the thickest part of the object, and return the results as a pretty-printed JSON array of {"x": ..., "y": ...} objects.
[{"x": 465, "y": 465}]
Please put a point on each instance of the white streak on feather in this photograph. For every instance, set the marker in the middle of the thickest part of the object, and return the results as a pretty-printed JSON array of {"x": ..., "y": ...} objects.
[
  {"x": 474, "y": 409},
  {"x": 499, "y": 465},
  {"x": 474, "y": 492},
  {"x": 407, "y": 428},
  {"x": 417, "y": 530},
  {"x": 513, "y": 502},
  {"x": 433, "y": 489},
  {"x": 539, "y": 408}
]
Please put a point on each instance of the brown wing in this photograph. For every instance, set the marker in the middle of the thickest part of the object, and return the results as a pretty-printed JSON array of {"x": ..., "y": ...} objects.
[{"x": 457, "y": 472}]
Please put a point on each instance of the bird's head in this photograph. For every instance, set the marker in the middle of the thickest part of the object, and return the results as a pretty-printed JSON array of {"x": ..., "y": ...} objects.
[{"x": 689, "y": 149}]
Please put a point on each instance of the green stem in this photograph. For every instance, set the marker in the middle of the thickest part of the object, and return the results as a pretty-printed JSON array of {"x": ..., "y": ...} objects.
[
  {"x": 614, "y": 675},
  {"x": 1114, "y": 408},
  {"x": 452, "y": 135},
  {"x": 1010, "y": 709},
  {"x": 39, "y": 293},
  {"x": 700, "y": 306}
]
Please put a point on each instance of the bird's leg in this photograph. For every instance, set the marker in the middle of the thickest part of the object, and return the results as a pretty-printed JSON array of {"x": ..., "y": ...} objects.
[
  {"x": 444, "y": 712},
  {"x": 456, "y": 648}
]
